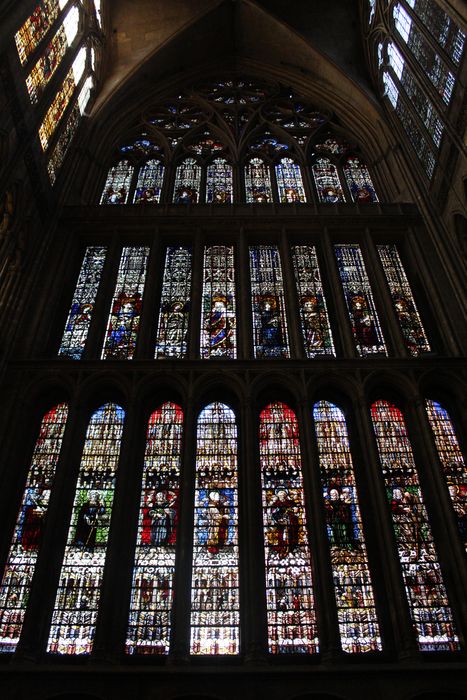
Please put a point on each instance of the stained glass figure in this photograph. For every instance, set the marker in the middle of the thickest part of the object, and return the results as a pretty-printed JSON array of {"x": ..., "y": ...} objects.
[
  {"x": 316, "y": 329},
  {"x": 152, "y": 587},
  {"x": 410, "y": 323},
  {"x": 215, "y": 604},
  {"x": 257, "y": 182},
  {"x": 27, "y": 538},
  {"x": 289, "y": 182},
  {"x": 117, "y": 183},
  {"x": 82, "y": 307},
  {"x": 79, "y": 590},
  {"x": 29, "y": 36},
  {"x": 358, "y": 621},
  {"x": 292, "y": 627},
  {"x": 174, "y": 313},
  {"x": 329, "y": 144},
  {"x": 327, "y": 182},
  {"x": 149, "y": 184},
  {"x": 359, "y": 181},
  {"x": 218, "y": 321},
  {"x": 206, "y": 146},
  {"x": 125, "y": 313},
  {"x": 268, "y": 304},
  {"x": 56, "y": 110},
  {"x": 219, "y": 182},
  {"x": 452, "y": 462},
  {"x": 61, "y": 147},
  {"x": 187, "y": 182},
  {"x": 359, "y": 299},
  {"x": 426, "y": 594}
]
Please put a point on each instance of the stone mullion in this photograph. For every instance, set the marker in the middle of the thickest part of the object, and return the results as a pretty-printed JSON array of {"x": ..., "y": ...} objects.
[
  {"x": 196, "y": 296},
  {"x": 323, "y": 584},
  {"x": 180, "y": 637},
  {"x": 290, "y": 295},
  {"x": 144, "y": 349},
  {"x": 38, "y": 616}
]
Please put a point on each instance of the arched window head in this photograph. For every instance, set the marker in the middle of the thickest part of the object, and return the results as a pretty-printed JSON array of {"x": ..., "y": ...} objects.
[
  {"x": 117, "y": 184},
  {"x": 215, "y": 604},
  {"x": 149, "y": 183},
  {"x": 257, "y": 182},
  {"x": 327, "y": 182},
  {"x": 187, "y": 182},
  {"x": 359, "y": 181},
  {"x": 289, "y": 182},
  {"x": 219, "y": 182}
]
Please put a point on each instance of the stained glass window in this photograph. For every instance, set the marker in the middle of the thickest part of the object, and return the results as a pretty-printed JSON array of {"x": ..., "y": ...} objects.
[
  {"x": 219, "y": 184},
  {"x": 56, "y": 109},
  {"x": 314, "y": 319},
  {"x": 61, "y": 147},
  {"x": 359, "y": 299},
  {"x": 82, "y": 306},
  {"x": 85, "y": 93},
  {"x": 359, "y": 181},
  {"x": 117, "y": 184},
  {"x": 174, "y": 314},
  {"x": 27, "y": 538},
  {"x": 215, "y": 604},
  {"x": 268, "y": 303},
  {"x": 79, "y": 589},
  {"x": 442, "y": 27},
  {"x": 125, "y": 313},
  {"x": 452, "y": 462},
  {"x": 429, "y": 607},
  {"x": 218, "y": 321},
  {"x": 187, "y": 182},
  {"x": 149, "y": 184},
  {"x": 358, "y": 622},
  {"x": 327, "y": 181},
  {"x": 289, "y": 182},
  {"x": 292, "y": 627},
  {"x": 257, "y": 182},
  {"x": 410, "y": 323},
  {"x": 35, "y": 28},
  {"x": 152, "y": 588}
]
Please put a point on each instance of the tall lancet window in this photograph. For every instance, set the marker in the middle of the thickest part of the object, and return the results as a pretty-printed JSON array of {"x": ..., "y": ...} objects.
[
  {"x": 289, "y": 182},
  {"x": 117, "y": 184},
  {"x": 359, "y": 181},
  {"x": 152, "y": 588},
  {"x": 172, "y": 330},
  {"x": 358, "y": 622},
  {"x": 452, "y": 461},
  {"x": 218, "y": 322},
  {"x": 187, "y": 182},
  {"x": 31, "y": 33},
  {"x": 328, "y": 185},
  {"x": 410, "y": 323},
  {"x": 27, "y": 537},
  {"x": 257, "y": 182},
  {"x": 79, "y": 589},
  {"x": 268, "y": 304},
  {"x": 292, "y": 627},
  {"x": 426, "y": 594},
  {"x": 82, "y": 307},
  {"x": 316, "y": 330},
  {"x": 219, "y": 182},
  {"x": 125, "y": 313},
  {"x": 359, "y": 299},
  {"x": 215, "y": 605},
  {"x": 149, "y": 183}
]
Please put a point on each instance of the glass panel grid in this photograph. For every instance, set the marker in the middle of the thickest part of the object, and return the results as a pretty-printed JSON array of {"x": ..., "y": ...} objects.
[
  {"x": 174, "y": 313},
  {"x": 426, "y": 594},
  {"x": 218, "y": 318}
]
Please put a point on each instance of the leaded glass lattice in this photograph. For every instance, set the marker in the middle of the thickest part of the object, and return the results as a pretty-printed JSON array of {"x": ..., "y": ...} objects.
[
  {"x": 149, "y": 184},
  {"x": 152, "y": 587},
  {"x": 257, "y": 182},
  {"x": 403, "y": 302},
  {"x": 292, "y": 627},
  {"x": 219, "y": 182},
  {"x": 441, "y": 27},
  {"x": 56, "y": 110},
  {"x": 452, "y": 462},
  {"x": 289, "y": 182},
  {"x": 125, "y": 313},
  {"x": 117, "y": 183},
  {"x": 218, "y": 318},
  {"x": 268, "y": 304},
  {"x": 358, "y": 621},
  {"x": 61, "y": 147},
  {"x": 364, "y": 320},
  {"x": 82, "y": 307},
  {"x": 426, "y": 594},
  {"x": 29, "y": 36},
  {"x": 79, "y": 590},
  {"x": 215, "y": 604},
  {"x": 45, "y": 67},
  {"x": 172, "y": 331},
  {"x": 327, "y": 182},
  {"x": 316, "y": 330},
  {"x": 187, "y": 182},
  {"x": 27, "y": 538},
  {"x": 359, "y": 181}
]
